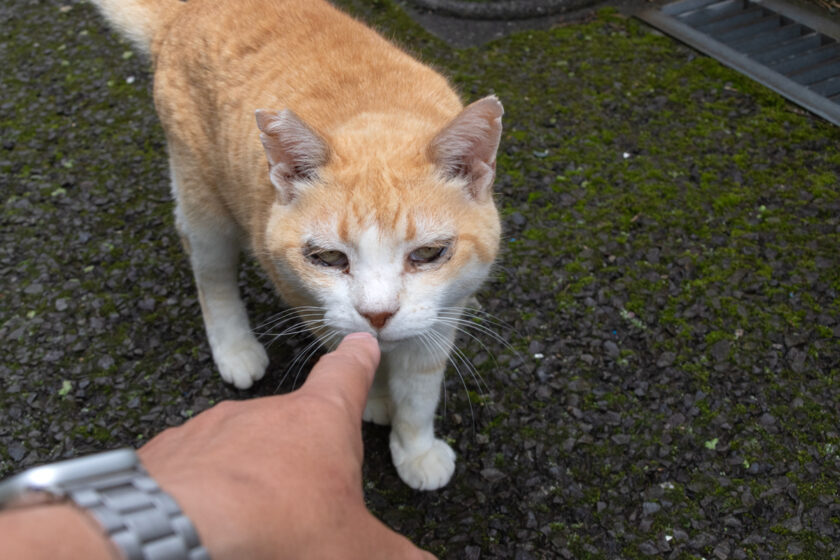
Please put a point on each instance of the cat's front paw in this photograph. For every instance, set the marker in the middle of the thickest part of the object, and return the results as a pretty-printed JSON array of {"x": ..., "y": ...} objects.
[
  {"x": 429, "y": 469},
  {"x": 241, "y": 362},
  {"x": 378, "y": 410}
]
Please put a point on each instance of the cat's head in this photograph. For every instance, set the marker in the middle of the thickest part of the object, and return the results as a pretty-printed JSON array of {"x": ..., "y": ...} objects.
[{"x": 388, "y": 224}]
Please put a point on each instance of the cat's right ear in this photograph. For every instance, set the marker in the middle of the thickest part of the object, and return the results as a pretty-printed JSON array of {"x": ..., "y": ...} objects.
[
  {"x": 466, "y": 147},
  {"x": 294, "y": 151}
]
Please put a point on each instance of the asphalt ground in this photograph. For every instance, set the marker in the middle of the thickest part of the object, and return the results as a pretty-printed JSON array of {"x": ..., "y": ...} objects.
[{"x": 658, "y": 372}]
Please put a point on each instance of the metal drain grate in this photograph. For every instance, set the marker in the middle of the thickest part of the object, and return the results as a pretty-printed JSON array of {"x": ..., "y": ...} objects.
[{"x": 790, "y": 50}]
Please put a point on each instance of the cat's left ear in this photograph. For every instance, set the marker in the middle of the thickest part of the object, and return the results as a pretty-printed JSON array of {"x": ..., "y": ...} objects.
[
  {"x": 294, "y": 151},
  {"x": 466, "y": 147}
]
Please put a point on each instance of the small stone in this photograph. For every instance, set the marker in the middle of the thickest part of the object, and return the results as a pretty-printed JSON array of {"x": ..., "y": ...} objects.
[
  {"x": 666, "y": 359},
  {"x": 797, "y": 359},
  {"x": 492, "y": 474},
  {"x": 105, "y": 362},
  {"x": 720, "y": 350},
  {"x": 794, "y": 524},
  {"x": 680, "y": 535},
  {"x": 16, "y": 451},
  {"x": 33, "y": 289},
  {"x": 611, "y": 349},
  {"x": 795, "y": 549},
  {"x": 649, "y": 508},
  {"x": 472, "y": 553},
  {"x": 61, "y": 304},
  {"x": 53, "y": 355},
  {"x": 620, "y": 439},
  {"x": 722, "y": 550},
  {"x": 648, "y": 549},
  {"x": 767, "y": 419}
]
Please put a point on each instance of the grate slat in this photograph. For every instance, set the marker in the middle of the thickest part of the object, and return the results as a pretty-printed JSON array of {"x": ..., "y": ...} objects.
[
  {"x": 752, "y": 29},
  {"x": 768, "y": 39},
  {"x": 814, "y": 56},
  {"x": 713, "y": 13},
  {"x": 730, "y": 22},
  {"x": 785, "y": 47},
  {"x": 817, "y": 73},
  {"x": 786, "y": 50},
  {"x": 829, "y": 88},
  {"x": 688, "y": 6}
]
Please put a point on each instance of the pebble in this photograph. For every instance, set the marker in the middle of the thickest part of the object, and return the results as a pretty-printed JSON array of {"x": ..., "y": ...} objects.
[
  {"x": 16, "y": 451},
  {"x": 34, "y": 288},
  {"x": 649, "y": 508},
  {"x": 666, "y": 359},
  {"x": 492, "y": 474}
]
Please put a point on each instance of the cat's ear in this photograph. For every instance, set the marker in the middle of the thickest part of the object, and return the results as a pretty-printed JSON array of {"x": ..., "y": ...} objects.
[
  {"x": 294, "y": 151},
  {"x": 466, "y": 147}
]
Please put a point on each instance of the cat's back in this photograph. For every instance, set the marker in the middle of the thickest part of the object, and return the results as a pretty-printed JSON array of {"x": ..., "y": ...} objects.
[{"x": 235, "y": 56}]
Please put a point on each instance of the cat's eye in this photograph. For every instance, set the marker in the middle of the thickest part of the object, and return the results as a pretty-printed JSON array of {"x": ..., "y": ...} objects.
[
  {"x": 426, "y": 255},
  {"x": 333, "y": 259}
]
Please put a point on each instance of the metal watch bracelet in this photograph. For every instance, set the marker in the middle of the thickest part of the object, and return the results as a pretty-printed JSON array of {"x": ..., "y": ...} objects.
[{"x": 142, "y": 520}]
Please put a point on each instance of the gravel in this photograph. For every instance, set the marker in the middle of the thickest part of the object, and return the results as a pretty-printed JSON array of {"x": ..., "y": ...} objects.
[{"x": 664, "y": 377}]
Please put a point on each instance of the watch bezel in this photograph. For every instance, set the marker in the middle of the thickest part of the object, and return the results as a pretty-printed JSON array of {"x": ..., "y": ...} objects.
[{"x": 49, "y": 479}]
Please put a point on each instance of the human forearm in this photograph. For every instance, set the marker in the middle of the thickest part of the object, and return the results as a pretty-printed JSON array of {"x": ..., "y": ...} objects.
[{"x": 52, "y": 532}]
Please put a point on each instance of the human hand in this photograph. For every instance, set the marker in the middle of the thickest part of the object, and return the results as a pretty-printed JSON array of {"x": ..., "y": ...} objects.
[{"x": 281, "y": 477}]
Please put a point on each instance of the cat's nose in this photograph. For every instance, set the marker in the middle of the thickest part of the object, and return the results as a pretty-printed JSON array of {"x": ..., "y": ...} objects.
[{"x": 377, "y": 319}]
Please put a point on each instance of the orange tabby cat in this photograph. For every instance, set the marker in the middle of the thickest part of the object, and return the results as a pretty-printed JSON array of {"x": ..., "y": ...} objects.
[{"x": 364, "y": 188}]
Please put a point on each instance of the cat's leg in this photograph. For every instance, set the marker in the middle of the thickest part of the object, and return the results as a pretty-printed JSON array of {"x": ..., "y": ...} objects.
[
  {"x": 423, "y": 461},
  {"x": 213, "y": 246},
  {"x": 379, "y": 407}
]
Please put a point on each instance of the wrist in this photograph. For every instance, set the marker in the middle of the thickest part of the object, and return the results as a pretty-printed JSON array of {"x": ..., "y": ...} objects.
[
  {"x": 52, "y": 531},
  {"x": 110, "y": 490}
]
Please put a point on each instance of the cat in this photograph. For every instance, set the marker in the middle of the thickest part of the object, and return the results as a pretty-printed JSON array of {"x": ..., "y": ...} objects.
[{"x": 351, "y": 171}]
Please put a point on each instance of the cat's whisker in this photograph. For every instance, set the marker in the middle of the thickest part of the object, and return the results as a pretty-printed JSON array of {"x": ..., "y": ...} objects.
[
  {"x": 320, "y": 342},
  {"x": 465, "y": 323},
  {"x": 430, "y": 349},
  {"x": 297, "y": 363},
  {"x": 481, "y": 385},
  {"x": 463, "y": 326},
  {"x": 479, "y": 315},
  {"x": 303, "y": 319},
  {"x": 296, "y": 321},
  {"x": 451, "y": 350},
  {"x": 291, "y": 313},
  {"x": 281, "y": 327},
  {"x": 459, "y": 327},
  {"x": 292, "y": 330}
]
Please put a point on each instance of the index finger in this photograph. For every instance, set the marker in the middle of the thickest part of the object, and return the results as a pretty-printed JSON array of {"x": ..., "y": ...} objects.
[{"x": 346, "y": 372}]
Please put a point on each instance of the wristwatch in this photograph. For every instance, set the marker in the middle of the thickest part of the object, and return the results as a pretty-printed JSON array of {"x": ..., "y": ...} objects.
[{"x": 142, "y": 521}]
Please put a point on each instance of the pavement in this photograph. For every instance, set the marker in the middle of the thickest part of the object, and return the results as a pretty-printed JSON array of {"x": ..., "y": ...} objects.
[{"x": 656, "y": 369}]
